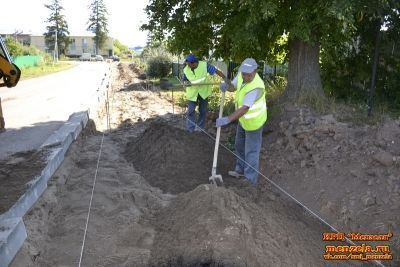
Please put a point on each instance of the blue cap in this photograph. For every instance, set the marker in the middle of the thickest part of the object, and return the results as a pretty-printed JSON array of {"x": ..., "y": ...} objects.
[{"x": 191, "y": 58}]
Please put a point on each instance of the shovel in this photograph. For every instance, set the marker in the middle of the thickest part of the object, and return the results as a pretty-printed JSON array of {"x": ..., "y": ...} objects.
[
  {"x": 217, "y": 178},
  {"x": 168, "y": 85}
]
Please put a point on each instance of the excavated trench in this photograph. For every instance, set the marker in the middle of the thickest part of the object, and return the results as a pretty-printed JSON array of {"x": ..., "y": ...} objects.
[
  {"x": 204, "y": 225},
  {"x": 174, "y": 160},
  {"x": 187, "y": 222}
]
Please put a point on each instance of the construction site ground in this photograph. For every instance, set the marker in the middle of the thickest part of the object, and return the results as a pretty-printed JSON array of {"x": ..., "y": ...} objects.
[{"x": 153, "y": 206}]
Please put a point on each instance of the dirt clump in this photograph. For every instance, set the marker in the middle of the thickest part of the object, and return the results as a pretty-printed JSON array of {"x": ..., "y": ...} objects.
[
  {"x": 175, "y": 160},
  {"x": 349, "y": 175}
]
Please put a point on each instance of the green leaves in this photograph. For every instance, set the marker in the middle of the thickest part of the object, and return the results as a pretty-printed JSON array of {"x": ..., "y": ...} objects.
[
  {"x": 98, "y": 23},
  {"x": 235, "y": 29},
  {"x": 57, "y": 25}
]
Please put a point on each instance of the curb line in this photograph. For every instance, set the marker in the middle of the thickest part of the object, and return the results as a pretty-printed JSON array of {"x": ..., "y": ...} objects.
[
  {"x": 12, "y": 236},
  {"x": 12, "y": 228}
]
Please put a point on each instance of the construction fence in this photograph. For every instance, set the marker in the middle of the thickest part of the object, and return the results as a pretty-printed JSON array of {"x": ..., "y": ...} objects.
[{"x": 27, "y": 61}]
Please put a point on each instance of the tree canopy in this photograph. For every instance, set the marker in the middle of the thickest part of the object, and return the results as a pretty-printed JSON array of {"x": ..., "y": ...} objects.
[
  {"x": 347, "y": 66},
  {"x": 56, "y": 24},
  {"x": 120, "y": 49},
  {"x": 238, "y": 29},
  {"x": 98, "y": 23},
  {"x": 234, "y": 30}
]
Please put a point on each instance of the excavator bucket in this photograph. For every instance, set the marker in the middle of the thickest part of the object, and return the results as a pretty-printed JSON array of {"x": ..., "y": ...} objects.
[{"x": 9, "y": 72}]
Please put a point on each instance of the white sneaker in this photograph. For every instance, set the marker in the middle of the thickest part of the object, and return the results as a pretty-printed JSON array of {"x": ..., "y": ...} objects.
[{"x": 235, "y": 174}]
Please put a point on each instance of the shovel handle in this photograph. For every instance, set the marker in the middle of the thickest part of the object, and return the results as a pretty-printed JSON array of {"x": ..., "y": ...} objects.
[
  {"x": 168, "y": 86},
  {"x": 201, "y": 84},
  {"x": 221, "y": 109}
]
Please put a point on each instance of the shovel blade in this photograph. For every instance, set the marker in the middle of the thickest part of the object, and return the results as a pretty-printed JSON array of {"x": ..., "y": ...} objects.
[{"x": 216, "y": 179}]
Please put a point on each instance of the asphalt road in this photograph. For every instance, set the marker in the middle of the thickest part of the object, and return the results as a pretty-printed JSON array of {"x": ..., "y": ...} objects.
[{"x": 37, "y": 107}]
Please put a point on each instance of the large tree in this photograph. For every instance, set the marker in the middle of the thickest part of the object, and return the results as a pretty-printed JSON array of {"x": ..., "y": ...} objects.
[
  {"x": 98, "y": 23},
  {"x": 57, "y": 25},
  {"x": 349, "y": 67},
  {"x": 238, "y": 29}
]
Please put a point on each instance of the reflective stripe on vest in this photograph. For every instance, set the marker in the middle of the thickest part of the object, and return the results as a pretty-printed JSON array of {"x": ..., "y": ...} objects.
[
  {"x": 259, "y": 107},
  {"x": 199, "y": 76},
  {"x": 256, "y": 116},
  {"x": 198, "y": 80}
]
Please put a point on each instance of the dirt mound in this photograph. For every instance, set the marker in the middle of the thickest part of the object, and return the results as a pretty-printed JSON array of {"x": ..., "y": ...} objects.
[
  {"x": 174, "y": 160},
  {"x": 90, "y": 129},
  {"x": 122, "y": 73},
  {"x": 214, "y": 226},
  {"x": 15, "y": 174},
  {"x": 348, "y": 174},
  {"x": 133, "y": 79},
  {"x": 139, "y": 72},
  {"x": 142, "y": 86}
]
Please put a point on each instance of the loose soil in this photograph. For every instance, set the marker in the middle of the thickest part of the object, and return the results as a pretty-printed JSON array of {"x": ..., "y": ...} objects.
[
  {"x": 349, "y": 175},
  {"x": 153, "y": 206},
  {"x": 175, "y": 160},
  {"x": 16, "y": 173}
]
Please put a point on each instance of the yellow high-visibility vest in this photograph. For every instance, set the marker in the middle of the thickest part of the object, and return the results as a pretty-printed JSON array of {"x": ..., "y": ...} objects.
[
  {"x": 256, "y": 116},
  {"x": 199, "y": 75}
]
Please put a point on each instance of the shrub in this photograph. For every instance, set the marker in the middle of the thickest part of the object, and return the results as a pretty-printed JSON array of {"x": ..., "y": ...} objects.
[
  {"x": 275, "y": 87},
  {"x": 14, "y": 47},
  {"x": 158, "y": 67},
  {"x": 215, "y": 100},
  {"x": 17, "y": 49}
]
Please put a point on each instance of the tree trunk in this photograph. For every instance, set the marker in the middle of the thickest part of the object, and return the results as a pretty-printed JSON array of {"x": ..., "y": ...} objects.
[
  {"x": 374, "y": 67},
  {"x": 304, "y": 78}
]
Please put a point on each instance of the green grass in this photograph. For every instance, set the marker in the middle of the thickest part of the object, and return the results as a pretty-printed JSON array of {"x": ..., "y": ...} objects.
[
  {"x": 37, "y": 71},
  {"x": 171, "y": 80},
  {"x": 174, "y": 81},
  {"x": 357, "y": 113}
]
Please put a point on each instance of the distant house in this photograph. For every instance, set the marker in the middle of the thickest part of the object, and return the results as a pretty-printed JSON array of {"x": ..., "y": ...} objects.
[
  {"x": 23, "y": 38},
  {"x": 79, "y": 44},
  {"x": 85, "y": 44},
  {"x": 38, "y": 42}
]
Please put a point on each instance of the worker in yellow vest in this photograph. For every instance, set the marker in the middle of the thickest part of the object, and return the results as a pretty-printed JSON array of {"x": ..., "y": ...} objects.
[
  {"x": 197, "y": 72},
  {"x": 251, "y": 111}
]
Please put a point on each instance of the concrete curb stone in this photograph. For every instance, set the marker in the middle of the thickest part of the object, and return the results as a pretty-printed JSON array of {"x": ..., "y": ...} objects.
[
  {"x": 12, "y": 228},
  {"x": 12, "y": 236}
]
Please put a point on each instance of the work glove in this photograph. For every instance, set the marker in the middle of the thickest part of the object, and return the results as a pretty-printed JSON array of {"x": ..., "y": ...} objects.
[
  {"x": 222, "y": 121},
  {"x": 223, "y": 87},
  {"x": 227, "y": 81}
]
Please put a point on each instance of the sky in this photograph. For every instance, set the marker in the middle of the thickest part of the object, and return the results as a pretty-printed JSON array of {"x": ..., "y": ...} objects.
[{"x": 124, "y": 20}]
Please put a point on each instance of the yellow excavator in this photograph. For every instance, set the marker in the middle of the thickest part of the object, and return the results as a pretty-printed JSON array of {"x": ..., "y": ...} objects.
[{"x": 9, "y": 75}]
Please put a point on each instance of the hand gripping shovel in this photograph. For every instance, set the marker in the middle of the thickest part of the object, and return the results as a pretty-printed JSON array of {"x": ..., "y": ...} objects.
[{"x": 217, "y": 178}]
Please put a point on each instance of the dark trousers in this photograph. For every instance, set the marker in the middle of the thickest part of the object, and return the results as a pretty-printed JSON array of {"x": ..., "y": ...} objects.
[{"x": 191, "y": 115}]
